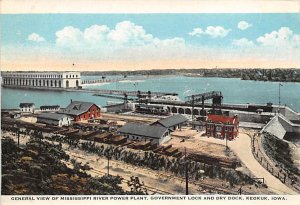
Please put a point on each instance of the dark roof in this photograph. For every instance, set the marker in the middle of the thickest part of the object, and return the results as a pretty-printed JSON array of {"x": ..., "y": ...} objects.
[
  {"x": 171, "y": 121},
  {"x": 26, "y": 104},
  {"x": 143, "y": 130},
  {"x": 51, "y": 116},
  {"x": 49, "y": 106},
  {"x": 77, "y": 108}
]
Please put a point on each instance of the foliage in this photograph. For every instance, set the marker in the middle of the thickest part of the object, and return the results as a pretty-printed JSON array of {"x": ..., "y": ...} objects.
[
  {"x": 289, "y": 75},
  {"x": 37, "y": 168}
]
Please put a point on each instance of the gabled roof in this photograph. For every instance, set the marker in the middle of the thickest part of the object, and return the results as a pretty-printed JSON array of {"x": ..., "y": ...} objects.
[
  {"x": 26, "y": 104},
  {"x": 52, "y": 116},
  {"x": 221, "y": 119},
  {"x": 171, "y": 121},
  {"x": 143, "y": 130},
  {"x": 77, "y": 108},
  {"x": 49, "y": 106}
]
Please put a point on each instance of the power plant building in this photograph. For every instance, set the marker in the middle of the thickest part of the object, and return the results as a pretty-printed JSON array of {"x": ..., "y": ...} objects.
[{"x": 41, "y": 79}]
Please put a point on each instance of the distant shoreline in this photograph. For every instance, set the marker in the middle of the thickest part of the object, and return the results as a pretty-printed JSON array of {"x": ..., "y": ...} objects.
[
  {"x": 255, "y": 74},
  {"x": 271, "y": 75}
]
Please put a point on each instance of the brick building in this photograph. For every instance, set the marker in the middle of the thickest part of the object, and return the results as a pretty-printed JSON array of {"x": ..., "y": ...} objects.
[
  {"x": 222, "y": 126},
  {"x": 82, "y": 110}
]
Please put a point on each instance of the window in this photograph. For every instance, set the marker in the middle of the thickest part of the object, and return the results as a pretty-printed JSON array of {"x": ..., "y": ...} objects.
[
  {"x": 226, "y": 128},
  {"x": 219, "y": 129}
]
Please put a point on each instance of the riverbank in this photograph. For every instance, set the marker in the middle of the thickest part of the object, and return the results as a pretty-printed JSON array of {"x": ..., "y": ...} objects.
[{"x": 256, "y": 74}]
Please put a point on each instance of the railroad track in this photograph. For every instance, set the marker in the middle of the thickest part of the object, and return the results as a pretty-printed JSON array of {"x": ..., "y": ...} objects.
[
  {"x": 149, "y": 188},
  {"x": 191, "y": 181},
  {"x": 196, "y": 183}
]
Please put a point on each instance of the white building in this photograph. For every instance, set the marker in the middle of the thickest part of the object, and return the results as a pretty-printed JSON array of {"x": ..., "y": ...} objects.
[
  {"x": 54, "y": 119},
  {"x": 27, "y": 107},
  {"x": 42, "y": 79},
  {"x": 49, "y": 108}
]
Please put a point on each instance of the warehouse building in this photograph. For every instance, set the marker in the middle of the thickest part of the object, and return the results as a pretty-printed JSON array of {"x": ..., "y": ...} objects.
[
  {"x": 173, "y": 122},
  {"x": 142, "y": 132},
  {"x": 42, "y": 79},
  {"x": 81, "y": 110},
  {"x": 54, "y": 119}
]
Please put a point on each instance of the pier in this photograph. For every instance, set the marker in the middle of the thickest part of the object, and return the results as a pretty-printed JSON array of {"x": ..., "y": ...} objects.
[{"x": 112, "y": 80}]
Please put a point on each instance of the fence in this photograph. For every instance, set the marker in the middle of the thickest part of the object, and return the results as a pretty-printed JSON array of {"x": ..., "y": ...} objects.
[{"x": 266, "y": 162}]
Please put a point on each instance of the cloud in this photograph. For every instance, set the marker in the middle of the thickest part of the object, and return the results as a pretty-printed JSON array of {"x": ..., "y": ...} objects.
[
  {"x": 284, "y": 38},
  {"x": 96, "y": 33},
  {"x": 35, "y": 37},
  {"x": 69, "y": 36},
  {"x": 124, "y": 34},
  {"x": 127, "y": 33},
  {"x": 243, "y": 25},
  {"x": 243, "y": 42},
  {"x": 211, "y": 31},
  {"x": 196, "y": 32}
]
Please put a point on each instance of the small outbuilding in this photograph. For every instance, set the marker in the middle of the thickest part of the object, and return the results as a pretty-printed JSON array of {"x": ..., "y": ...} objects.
[
  {"x": 27, "y": 107},
  {"x": 142, "y": 132},
  {"x": 15, "y": 115},
  {"x": 50, "y": 108},
  {"x": 54, "y": 119}
]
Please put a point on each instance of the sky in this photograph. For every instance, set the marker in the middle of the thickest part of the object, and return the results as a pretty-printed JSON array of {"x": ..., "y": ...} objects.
[{"x": 149, "y": 41}]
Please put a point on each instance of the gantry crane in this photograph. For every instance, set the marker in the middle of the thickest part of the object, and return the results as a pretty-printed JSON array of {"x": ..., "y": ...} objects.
[{"x": 216, "y": 97}]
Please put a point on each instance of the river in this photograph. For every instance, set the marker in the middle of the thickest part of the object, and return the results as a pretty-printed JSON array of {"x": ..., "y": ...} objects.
[{"x": 234, "y": 91}]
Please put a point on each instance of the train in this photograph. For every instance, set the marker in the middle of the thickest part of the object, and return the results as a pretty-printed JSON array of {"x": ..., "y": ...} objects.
[{"x": 152, "y": 109}]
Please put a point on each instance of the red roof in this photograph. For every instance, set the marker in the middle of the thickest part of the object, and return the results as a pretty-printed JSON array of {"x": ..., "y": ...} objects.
[{"x": 221, "y": 119}]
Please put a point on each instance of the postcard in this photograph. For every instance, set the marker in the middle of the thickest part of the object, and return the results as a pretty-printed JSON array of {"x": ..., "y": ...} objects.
[{"x": 150, "y": 102}]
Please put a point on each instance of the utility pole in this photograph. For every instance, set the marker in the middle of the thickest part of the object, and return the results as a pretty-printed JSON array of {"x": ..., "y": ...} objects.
[
  {"x": 279, "y": 97},
  {"x": 186, "y": 174},
  {"x": 107, "y": 164},
  {"x": 193, "y": 105},
  {"x": 18, "y": 138},
  {"x": 226, "y": 142}
]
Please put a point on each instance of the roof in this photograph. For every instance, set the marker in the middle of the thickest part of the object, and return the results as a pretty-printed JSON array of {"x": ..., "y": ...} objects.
[
  {"x": 26, "y": 104},
  {"x": 172, "y": 120},
  {"x": 49, "y": 106},
  {"x": 77, "y": 108},
  {"x": 52, "y": 116},
  {"x": 143, "y": 130},
  {"x": 221, "y": 119}
]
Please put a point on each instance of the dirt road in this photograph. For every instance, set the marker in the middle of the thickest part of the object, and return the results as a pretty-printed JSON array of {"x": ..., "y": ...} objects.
[{"x": 241, "y": 146}]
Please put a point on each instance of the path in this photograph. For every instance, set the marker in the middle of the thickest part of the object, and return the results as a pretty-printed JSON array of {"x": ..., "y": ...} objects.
[{"x": 241, "y": 146}]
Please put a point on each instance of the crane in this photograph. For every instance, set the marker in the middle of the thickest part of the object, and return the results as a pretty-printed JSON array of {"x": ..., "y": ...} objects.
[{"x": 216, "y": 97}]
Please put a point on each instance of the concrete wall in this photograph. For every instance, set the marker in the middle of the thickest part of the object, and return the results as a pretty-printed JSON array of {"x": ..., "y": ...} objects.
[
  {"x": 289, "y": 126},
  {"x": 289, "y": 113},
  {"x": 252, "y": 117}
]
